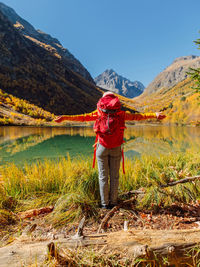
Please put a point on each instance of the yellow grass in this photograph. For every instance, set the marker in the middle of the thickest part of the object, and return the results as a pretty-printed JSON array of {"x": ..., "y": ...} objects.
[{"x": 72, "y": 185}]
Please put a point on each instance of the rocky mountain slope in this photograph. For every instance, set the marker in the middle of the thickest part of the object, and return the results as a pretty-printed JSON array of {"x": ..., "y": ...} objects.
[
  {"x": 30, "y": 71},
  {"x": 44, "y": 40},
  {"x": 180, "y": 104},
  {"x": 172, "y": 92},
  {"x": 173, "y": 74},
  {"x": 111, "y": 81}
]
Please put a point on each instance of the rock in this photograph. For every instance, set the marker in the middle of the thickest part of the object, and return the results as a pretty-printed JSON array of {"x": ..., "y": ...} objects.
[
  {"x": 111, "y": 81},
  {"x": 173, "y": 74}
]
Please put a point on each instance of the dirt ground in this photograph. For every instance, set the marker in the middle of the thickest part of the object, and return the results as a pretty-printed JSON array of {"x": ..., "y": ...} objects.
[{"x": 25, "y": 244}]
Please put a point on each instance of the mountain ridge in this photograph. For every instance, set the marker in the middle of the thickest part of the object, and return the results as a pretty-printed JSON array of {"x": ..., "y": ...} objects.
[
  {"x": 31, "y": 72},
  {"x": 116, "y": 83},
  {"x": 172, "y": 74},
  {"x": 44, "y": 39}
]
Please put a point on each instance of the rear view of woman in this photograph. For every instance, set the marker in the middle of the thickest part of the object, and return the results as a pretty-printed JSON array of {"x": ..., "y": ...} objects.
[{"x": 109, "y": 128}]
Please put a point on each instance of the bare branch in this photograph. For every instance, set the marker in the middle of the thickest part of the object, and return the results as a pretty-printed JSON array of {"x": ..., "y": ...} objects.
[
  {"x": 111, "y": 213},
  {"x": 182, "y": 181}
]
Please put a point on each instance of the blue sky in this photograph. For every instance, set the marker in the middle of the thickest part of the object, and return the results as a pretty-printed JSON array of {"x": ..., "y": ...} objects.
[{"x": 136, "y": 38}]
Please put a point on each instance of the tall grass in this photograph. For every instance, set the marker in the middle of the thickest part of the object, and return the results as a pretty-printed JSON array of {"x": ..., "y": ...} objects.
[
  {"x": 52, "y": 177},
  {"x": 72, "y": 185}
]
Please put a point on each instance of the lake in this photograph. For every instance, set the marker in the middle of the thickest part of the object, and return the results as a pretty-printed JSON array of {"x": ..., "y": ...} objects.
[{"x": 29, "y": 144}]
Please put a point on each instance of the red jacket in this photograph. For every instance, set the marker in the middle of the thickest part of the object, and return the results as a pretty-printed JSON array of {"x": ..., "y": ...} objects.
[{"x": 108, "y": 141}]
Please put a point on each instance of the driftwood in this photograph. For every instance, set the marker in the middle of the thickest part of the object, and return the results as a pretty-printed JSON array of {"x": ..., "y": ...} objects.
[
  {"x": 107, "y": 218},
  {"x": 81, "y": 240},
  {"x": 172, "y": 248},
  {"x": 182, "y": 181},
  {"x": 174, "y": 254},
  {"x": 79, "y": 233},
  {"x": 34, "y": 212},
  {"x": 130, "y": 244},
  {"x": 53, "y": 252},
  {"x": 150, "y": 245}
]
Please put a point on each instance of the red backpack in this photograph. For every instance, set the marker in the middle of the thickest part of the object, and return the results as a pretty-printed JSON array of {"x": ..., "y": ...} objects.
[{"x": 109, "y": 126}]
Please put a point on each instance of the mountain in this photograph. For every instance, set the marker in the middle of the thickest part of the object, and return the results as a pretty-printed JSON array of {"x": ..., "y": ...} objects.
[
  {"x": 111, "y": 81},
  {"x": 173, "y": 74},
  {"x": 44, "y": 40},
  {"x": 39, "y": 74},
  {"x": 172, "y": 92}
]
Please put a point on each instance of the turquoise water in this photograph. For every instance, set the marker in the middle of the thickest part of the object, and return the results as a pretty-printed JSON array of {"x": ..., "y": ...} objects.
[{"x": 28, "y": 144}]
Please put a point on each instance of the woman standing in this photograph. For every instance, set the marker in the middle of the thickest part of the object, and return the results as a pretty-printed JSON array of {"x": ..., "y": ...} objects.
[{"x": 109, "y": 128}]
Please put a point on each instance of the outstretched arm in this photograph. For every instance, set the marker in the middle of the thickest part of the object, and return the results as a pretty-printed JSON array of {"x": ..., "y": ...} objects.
[
  {"x": 82, "y": 117},
  {"x": 144, "y": 116}
]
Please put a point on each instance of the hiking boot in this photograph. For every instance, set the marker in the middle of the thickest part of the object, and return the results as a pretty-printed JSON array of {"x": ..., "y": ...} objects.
[{"x": 112, "y": 206}]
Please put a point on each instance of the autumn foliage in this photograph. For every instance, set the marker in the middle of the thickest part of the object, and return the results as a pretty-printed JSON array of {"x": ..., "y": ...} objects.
[
  {"x": 180, "y": 104},
  {"x": 12, "y": 108}
]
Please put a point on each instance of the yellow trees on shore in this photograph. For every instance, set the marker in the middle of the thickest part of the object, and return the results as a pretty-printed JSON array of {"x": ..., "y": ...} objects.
[{"x": 19, "y": 107}]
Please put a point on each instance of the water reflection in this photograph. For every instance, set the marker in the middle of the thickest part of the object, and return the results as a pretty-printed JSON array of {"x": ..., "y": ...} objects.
[
  {"x": 162, "y": 139},
  {"x": 20, "y": 144}
]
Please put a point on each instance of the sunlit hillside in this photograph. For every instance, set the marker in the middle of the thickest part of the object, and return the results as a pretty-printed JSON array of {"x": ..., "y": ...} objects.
[
  {"x": 180, "y": 103},
  {"x": 16, "y": 111}
]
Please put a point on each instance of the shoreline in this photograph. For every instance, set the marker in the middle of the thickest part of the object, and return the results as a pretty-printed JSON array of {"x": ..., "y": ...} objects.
[{"x": 86, "y": 125}]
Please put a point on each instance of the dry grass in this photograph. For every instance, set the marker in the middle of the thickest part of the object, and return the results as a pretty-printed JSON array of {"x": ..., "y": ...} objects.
[{"x": 72, "y": 185}]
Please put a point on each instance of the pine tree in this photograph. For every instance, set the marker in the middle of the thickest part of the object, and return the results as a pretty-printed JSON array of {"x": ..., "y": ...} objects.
[{"x": 195, "y": 73}]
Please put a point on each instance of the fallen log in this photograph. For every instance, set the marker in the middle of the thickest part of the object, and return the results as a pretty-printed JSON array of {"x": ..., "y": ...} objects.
[
  {"x": 155, "y": 247},
  {"x": 173, "y": 253},
  {"x": 62, "y": 260},
  {"x": 163, "y": 248}
]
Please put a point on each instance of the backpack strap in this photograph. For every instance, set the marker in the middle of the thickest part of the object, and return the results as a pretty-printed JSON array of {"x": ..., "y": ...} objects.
[
  {"x": 111, "y": 111},
  {"x": 123, "y": 168},
  {"x": 95, "y": 149}
]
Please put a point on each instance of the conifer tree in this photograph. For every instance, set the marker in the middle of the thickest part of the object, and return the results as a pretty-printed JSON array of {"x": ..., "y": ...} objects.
[{"x": 195, "y": 73}]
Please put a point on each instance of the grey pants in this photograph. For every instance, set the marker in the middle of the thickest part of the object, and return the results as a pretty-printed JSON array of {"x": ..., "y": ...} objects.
[{"x": 108, "y": 160}]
